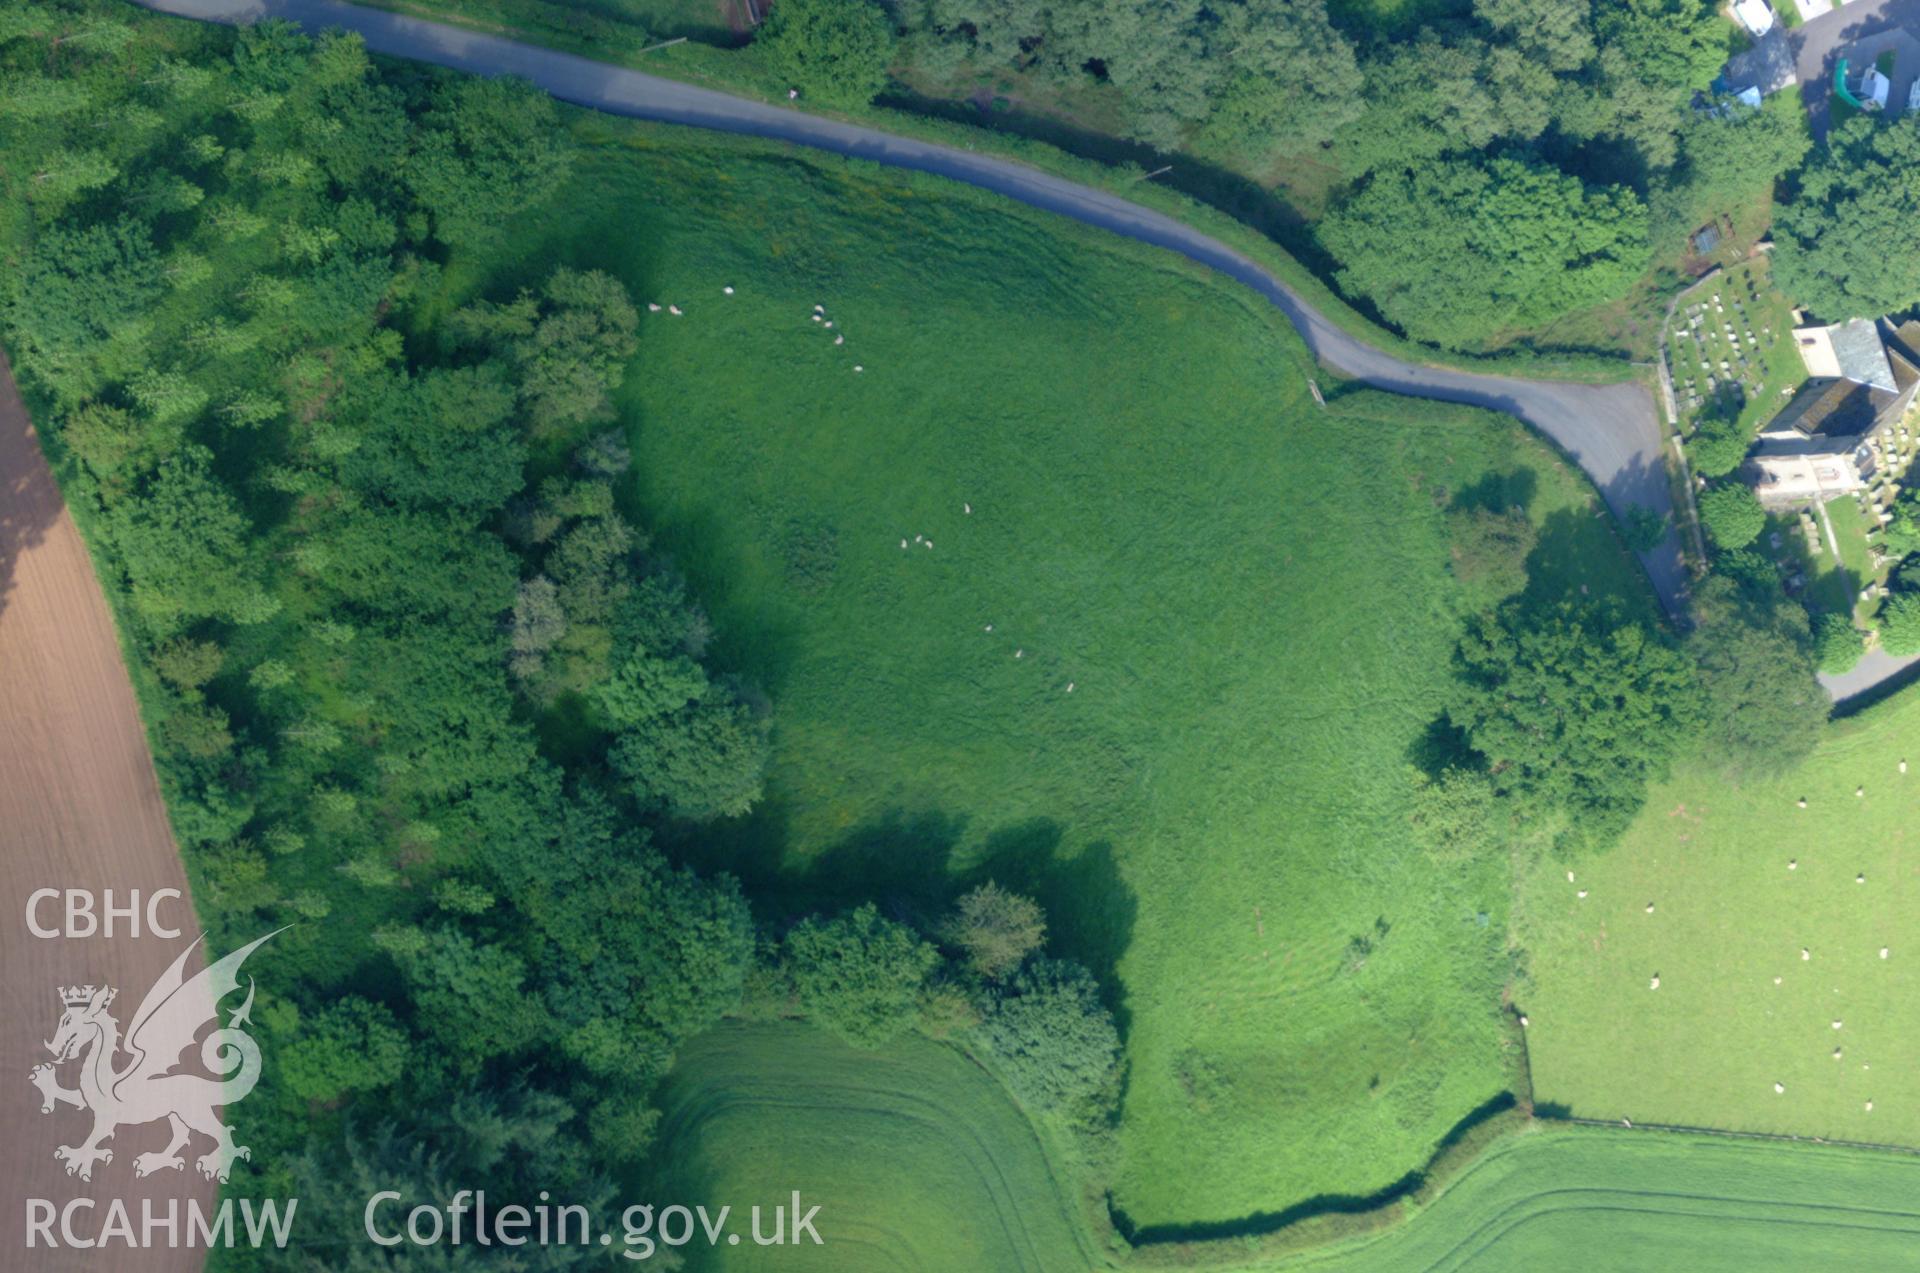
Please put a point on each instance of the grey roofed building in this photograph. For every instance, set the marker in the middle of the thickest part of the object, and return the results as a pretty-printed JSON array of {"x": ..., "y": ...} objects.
[
  {"x": 1827, "y": 440},
  {"x": 1862, "y": 354}
]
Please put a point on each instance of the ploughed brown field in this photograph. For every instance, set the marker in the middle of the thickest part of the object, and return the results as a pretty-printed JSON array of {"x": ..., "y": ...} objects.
[{"x": 79, "y": 809}]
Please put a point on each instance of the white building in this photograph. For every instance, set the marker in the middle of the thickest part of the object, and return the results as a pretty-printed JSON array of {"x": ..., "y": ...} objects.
[{"x": 1754, "y": 15}]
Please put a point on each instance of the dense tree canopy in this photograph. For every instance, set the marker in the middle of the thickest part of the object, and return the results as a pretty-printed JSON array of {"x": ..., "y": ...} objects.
[
  {"x": 1573, "y": 708},
  {"x": 858, "y": 975},
  {"x": 1761, "y": 708},
  {"x": 835, "y": 51},
  {"x": 1051, "y": 1037},
  {"x": 1843, "y": 240},
  {"x": 1732, "y": 515},
  {"x": 364, "y": 539},
  {"x": 1481, "y": 249}
]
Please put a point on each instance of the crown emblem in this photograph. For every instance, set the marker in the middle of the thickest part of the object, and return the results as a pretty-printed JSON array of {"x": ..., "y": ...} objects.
[{"x": 76, "y": 996}]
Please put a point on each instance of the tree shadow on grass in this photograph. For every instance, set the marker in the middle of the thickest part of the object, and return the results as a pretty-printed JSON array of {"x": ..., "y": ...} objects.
[
  {"x": 1498, "y": 492},
  {"x": 1090, "y": 908},
  {"x": 904, "y": 863},
  {"x": 1441, "y": 746}
]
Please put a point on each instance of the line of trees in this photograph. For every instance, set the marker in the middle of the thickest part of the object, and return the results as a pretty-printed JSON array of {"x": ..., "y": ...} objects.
[{"x": 1497, "y": 168}]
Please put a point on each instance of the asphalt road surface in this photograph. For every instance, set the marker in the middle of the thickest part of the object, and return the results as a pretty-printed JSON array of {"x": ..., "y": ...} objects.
[
  {"x": 1817, "y": 46},
  {"x": 1611, "y": 431}
]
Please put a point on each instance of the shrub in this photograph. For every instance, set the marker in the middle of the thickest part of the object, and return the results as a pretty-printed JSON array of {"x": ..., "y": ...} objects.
[
  {"x": 1732, "y": 515},
  {"x": 1900, "y": 624},
  {"x": 996, "y": 928},
  {"x": 859, "y": 975},
  {"x": 1054, "y": 1039},
  {"x": 1837, "y": 643},
  {"x": 834, "y": 50}
]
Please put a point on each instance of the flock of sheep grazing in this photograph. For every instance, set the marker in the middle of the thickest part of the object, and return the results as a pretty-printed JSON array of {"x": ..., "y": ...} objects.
[
  {"x": 1806, "y": 954},
  {"x": 966, "y": 508},
  {"x": 819, "y": 315}
]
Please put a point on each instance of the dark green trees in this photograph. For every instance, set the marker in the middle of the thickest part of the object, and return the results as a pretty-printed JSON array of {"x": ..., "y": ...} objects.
[
  {"x": 858, "y": 975},
  {"x": 1842, "y": 240},
  {"x": 834, "y": 51},
  {"x": 1478, "y": 250},
  {"x": 487, "y": 149},
  {"x": 1573, "y": 710},
  {"x": 1732, "y": 515}
]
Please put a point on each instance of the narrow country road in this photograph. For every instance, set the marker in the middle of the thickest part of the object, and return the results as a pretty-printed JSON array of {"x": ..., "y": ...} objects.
[{"x": 1609, "y": 430}]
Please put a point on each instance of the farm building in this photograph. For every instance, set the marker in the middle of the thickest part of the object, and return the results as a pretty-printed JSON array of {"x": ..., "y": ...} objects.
[{"x": 1831, "y": 438}]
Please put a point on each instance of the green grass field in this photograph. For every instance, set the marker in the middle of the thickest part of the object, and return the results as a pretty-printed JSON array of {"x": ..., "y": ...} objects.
[
  {"x": 611, "y": 30},
  {"x": 1730, "y": 917},
  {"x": 1628, "y": 1202},
  {"x": 1247, "y": 595},
  {"x": 917, "y": 1158}
]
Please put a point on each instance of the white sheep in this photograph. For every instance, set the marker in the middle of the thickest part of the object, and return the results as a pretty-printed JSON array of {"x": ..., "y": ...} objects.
[
  {"x": 1019, "y": 654},
  {"x": 1883, "y": 952},
  {"x": 1779, "y": 1089},
  {"x": 727, "y": 290},
  {"x": 818, "y": 319},
  {"x": 1838, "y": 1023},
  {"x": 1524, "y": 1023},
  {"x": 1655, "y": 983},
  {"x": 1793, "y": 864},
  {"x": 1069, "y": 687},
  {"x": 967, "y": 509},
  {"x": 1858, "y": 792},
  {"x": 1803, "y": 802},
  {"x": 1903, "y": 766},
  {"x": 1859, "y": 879},
  {"x": 653, "y": 307},
  {"x": 1805, "y": 954},
  {"x": 1836, "y": 1054},
  {"x": 1776, "y": 981},
  {"x": 675, "y": 310},
  {"x": 1869, "y": 1107},
  {"x": 903, "y": 543},
  {"x": 858, "y": 367},
  {"x": 989, "y": 627},
  {"x": 1569, "y": 877},
  {"x": 1582, "y": 895},
  {"x": 1649, "y": 908},
  {"x": 839, "y": 340}
]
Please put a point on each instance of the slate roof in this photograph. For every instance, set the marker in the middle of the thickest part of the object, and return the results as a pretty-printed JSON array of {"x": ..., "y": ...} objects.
[{"x": 1862, "y": 355}]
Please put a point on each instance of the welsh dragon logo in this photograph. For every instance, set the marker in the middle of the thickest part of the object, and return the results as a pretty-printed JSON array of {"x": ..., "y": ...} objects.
[{"x": 146, "y": 1089}]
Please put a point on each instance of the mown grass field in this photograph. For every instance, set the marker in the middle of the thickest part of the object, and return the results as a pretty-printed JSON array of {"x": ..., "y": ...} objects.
[
  {"x": 1248, "y": 596},
  {"x": 916, "y": 1157},
  {"x": 1730, "y": 917},
  {"x": 1626, "y": 1202}
]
